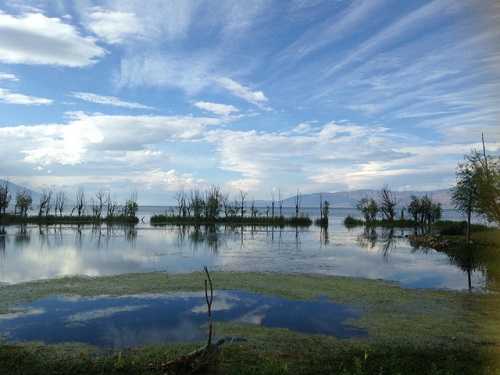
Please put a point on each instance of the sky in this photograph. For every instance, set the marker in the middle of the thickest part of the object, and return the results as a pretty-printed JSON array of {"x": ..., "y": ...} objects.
[{"x": 261, "y": 97}]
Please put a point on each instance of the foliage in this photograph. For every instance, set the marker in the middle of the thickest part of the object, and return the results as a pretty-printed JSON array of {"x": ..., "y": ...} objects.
[
  {"x": 368, "y": 207},
  {"x": 325, "y": 211},
  {"x": 424, "y": 210},
  {"x": 478, "y": 185},
  {"x": 352, "y": 221},
  {"x": 23, "y": 202},
  {"x": 304, "y": 356},
  {"x": 4, "y": 197},
  {"x": 66, "y": 219}
]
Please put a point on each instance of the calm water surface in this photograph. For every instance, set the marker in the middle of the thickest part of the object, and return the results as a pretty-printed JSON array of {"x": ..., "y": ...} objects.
[
  {"x": 32, "y": 252},
  {"x": 130, "y": 321}
]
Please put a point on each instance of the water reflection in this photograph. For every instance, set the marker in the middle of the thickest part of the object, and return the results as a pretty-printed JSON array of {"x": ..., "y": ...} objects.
[
  {"x": 36, "y": 252},
  {"x": 132, "y": 320}
]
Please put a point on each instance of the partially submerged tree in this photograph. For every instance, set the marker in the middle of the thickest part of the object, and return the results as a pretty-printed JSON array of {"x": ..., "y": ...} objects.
[
  {"x": 4, "y": 197},
  {"x": 45, "y": 202},
  {"x": 368, "y": 207},
  {"x": 59, "y": 203},
  {"x": 80, "y": 201},
  {"x": 298, "y": 201},
  {"x": 424, "y": 210},
  {"x": 23, "y": 202},
  {"x": 131, "y": 206},
  {"x": 242, "y": 199},
  {"x": 387, "y": 202}
]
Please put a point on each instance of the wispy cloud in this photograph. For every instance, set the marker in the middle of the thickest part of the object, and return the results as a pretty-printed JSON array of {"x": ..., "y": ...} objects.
[
  {"x": 217, "y": 108},
  {"x": 257, "y": 98},
  {"x": 107, "y": 100},
  {"x": 12, "y": 98},
  {"x": 115, "y": 27},
  {"x": 37, "y": 39},
  {"x": 8, "y": 76}
]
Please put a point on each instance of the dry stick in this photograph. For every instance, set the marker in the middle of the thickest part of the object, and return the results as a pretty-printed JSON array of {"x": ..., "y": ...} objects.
[{"x": 209, "y": 303}]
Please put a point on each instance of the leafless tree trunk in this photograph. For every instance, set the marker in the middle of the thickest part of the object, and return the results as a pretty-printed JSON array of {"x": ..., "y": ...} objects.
[
  {"x": 280, "y": 200},
  {"x": 272, "y": 204},
  {"x": 60, "y": 203},
  {"x": 80, "y": 201},
  {"x": 298, "y": 200},
  {"x": 388, "y": 202},
  {"x": 242, "y": 196},
  {"x": 45, "y": 202}
]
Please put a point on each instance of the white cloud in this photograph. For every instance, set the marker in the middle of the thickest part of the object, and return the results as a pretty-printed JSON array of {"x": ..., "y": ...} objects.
[
  {"x": 37, "y": 39},
  {"x": 8, "y": 76},
  {"x": 108, "y": 100},
  {"x": 255, "y": 97},
  {"x": 99, "y": 138},
  {"x": 11, "y": 98},
  {"x": 217, "y": 108},
  {"x": 159, "y": 180},
  {"x": 115, "y": 27}
]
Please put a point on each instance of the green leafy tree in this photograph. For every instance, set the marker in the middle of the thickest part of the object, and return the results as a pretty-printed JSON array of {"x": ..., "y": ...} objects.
[
  {"x": 4, "y": 197},
  {"x": 368, "y": 207},
  {"x": 24, "y": 200},
  {"x": 478, "y": 186},
  {"x": 424, "y": 210},
  {"x": 131, "y": 205}
]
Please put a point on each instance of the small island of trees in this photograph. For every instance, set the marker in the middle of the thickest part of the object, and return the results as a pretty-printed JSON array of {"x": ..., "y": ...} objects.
[{"x": 104, "y": 208}]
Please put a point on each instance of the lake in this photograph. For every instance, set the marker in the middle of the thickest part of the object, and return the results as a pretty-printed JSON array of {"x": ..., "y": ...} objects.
[
  {"x": 32, "y": 252},
  {"x": 35, "y": 252}
]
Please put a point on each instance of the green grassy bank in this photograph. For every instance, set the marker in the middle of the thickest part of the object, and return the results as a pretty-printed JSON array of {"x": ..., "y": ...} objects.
[{"x": 410, "y": 331}]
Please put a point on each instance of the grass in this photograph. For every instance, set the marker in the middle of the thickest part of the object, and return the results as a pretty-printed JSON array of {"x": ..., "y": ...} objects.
[
  {"x": 410, "y": 331},
  {"x": 8, "y": 219},
  {"x": 305, "y": 357},
  {"x": 277, "y": 221}
]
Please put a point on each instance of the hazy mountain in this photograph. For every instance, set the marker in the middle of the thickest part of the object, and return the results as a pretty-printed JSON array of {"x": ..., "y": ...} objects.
[
  {"x": 348, "y": 199},
  {"x": 343, "y": 199},
  {"x": 14, "y": 188}
]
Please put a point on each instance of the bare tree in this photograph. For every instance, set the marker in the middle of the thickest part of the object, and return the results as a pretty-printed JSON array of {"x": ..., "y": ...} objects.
[
  {"x": 112, "y": 204},
  {"x": 298, "y": 201},
  {"x": 242, "y": 199},
  {"x": 80, "y": 201},
  {"x": 272, "y": 204},
  {"x": 45, "y": 202},
  {"x": 280, "y": 200},
  {"x": 98, "y": 204},
  {"x": 388, "y": 202},
  {"x": 59, "y": 203},
  {"x": 181, "y": 198}
]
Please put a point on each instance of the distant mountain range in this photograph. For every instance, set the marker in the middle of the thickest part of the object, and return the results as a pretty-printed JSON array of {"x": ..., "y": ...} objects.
[
  {"x": 13, "y": 189},
  {"x": 349, "y": 199},
  {"x": 343, "y": 199}
]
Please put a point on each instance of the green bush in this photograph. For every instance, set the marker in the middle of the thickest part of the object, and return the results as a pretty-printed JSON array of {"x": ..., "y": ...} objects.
[{"x": 352, "y": 221}]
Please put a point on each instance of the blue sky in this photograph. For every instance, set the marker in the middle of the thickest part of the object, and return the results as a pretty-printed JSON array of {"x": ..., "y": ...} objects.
[{"x": 258, "y": 96}]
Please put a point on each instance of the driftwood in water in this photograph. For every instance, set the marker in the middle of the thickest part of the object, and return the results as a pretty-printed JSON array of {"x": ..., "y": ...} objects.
[{"x": 206, "y": 356}]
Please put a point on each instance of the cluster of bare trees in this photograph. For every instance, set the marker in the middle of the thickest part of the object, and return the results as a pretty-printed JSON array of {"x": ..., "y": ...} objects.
[
  {"x": 101, "y": 203},
  {"x": 102, "y": 200},
  {"x": 211, "y": 204}
]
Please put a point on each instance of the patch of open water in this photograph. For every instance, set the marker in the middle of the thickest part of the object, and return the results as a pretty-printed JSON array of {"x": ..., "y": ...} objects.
[{"x": 130, "y": 321}]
